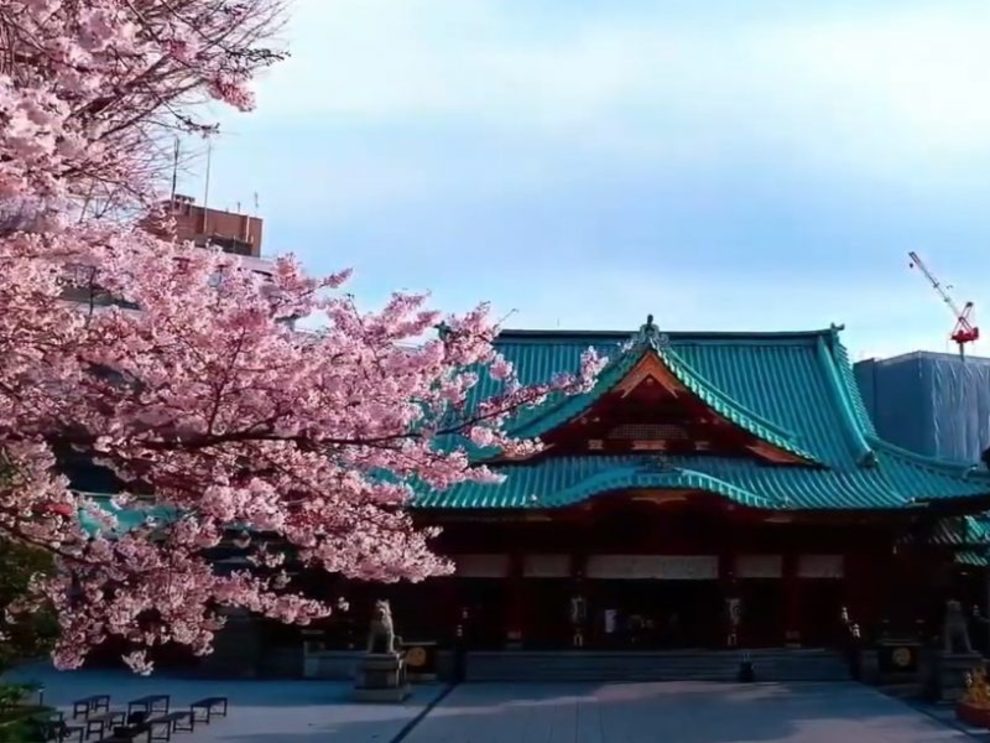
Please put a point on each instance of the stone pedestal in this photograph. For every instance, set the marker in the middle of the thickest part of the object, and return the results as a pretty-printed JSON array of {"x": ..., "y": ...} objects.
[
  {"x": 946, "y": 674},
  {"x": 381, "y": 677}
]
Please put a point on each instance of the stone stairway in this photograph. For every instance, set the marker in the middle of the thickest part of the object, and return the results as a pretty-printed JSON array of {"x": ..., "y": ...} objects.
[{"x": 778, "y": 664}]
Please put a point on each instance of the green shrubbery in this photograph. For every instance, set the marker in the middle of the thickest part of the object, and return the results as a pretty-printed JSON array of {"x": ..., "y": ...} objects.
[
  {"x": 28, "y": 636},
  {"x": 21, "y": 721}
]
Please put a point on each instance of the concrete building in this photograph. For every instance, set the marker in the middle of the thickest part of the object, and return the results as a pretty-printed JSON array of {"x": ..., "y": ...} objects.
[{"x": 230, "y": 231}]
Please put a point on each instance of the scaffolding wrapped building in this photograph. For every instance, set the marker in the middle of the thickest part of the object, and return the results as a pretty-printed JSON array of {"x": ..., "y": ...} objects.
[{"x": 932, "y": 403}]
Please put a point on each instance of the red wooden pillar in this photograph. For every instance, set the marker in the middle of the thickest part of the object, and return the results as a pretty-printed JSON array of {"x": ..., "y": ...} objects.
[
  {"x": 581, "y": 588},
  {"x": 730, "y": 635},
  {"x": 792, "y": 600}
]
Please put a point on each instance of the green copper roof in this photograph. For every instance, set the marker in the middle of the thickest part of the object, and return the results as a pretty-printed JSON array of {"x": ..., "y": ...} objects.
[
  {"x": 623, "y": 356},
  {"x": 793, "y": 390},
  {"x": 971, "y": 559},
  {"x": 127, "y": 518},
  {"x": 962, "y": 532},
  {"x": 895, "y": 482}
]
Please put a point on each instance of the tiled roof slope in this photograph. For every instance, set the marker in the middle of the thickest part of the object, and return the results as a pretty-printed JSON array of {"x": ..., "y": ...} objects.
[{"x": 793, "y": 390}]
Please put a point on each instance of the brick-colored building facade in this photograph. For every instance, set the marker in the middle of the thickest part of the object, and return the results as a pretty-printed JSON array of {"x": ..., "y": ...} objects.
[{"x": 229, "y": 231}]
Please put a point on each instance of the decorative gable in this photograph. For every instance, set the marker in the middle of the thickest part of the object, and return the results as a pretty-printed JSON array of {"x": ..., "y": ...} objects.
[
  {"x": 647, "y": 386},
  {"x": 650, "y": 409}
]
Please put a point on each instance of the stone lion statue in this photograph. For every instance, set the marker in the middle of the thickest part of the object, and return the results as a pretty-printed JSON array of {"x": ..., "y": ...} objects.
[
  {"x": 955, "y": 630},
  {"x": 381, "y": 634}
]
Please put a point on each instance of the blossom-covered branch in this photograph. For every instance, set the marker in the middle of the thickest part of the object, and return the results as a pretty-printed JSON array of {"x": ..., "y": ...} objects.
[
  {"x": 192, "y": 385},
  {"x": 209, "y": 401}
]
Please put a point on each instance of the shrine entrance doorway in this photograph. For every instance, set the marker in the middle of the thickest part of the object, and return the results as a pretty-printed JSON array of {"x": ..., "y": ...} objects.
[
  {"x": 656, "y": 614},
  {"x": 654, "y": 602},
  {"x": 762, "y": 612}
]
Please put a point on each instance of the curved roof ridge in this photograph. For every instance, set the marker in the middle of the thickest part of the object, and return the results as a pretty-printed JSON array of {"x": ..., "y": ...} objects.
[
  {"x": 556, "y": 482},
  {"x": 962, "y": 469},
  {"x": 851, "y": 425},
  {"x": 851, "y": 389},
  {"x": 552, "y": 413},
  {"x": 543, "y": 419},
  {"x": 727, "y": 399},
  {"x": 629, "y": 476},
  {"x": 620, "y": 335}
]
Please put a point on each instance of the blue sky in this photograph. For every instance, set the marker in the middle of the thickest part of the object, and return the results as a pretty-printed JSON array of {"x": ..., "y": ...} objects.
[{"x": 724, "y": 165}]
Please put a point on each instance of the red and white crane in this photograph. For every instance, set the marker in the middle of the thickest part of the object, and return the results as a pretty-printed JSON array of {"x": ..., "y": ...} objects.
[{"x": 964, "y": 331}]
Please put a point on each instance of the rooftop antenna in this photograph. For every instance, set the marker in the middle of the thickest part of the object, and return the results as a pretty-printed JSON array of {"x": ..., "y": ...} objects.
[
  {"x": 251, "y": 221},
  {"x": 206, "y": 187},
  {"x": 506, "y": 316},
  {"x": 175, "y": 172}
]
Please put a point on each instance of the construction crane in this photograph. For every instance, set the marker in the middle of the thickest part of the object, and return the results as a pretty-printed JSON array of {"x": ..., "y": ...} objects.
[{"x": 964, "y": 331}]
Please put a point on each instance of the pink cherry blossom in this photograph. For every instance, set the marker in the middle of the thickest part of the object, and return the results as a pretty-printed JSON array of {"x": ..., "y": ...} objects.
[{"x": 225, "y": 424}]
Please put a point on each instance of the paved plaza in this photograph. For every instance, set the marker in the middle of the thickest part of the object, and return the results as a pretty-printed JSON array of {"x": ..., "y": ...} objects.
[
  {"x": 678, "y": 712},
  {"x": 681, "y": 712}
]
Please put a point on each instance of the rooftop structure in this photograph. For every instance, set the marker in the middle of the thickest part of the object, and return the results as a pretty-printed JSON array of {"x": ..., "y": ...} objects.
[
  {"x": 230, "y": 231},
  {"x": 772, "y": 421}
]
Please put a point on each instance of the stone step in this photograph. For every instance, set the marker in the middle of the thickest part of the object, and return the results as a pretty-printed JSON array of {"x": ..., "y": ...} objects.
[{"x": 773, "y": 665}]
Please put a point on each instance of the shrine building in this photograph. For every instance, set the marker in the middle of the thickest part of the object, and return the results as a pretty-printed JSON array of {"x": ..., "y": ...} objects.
[{"x": 712, "y": 490}]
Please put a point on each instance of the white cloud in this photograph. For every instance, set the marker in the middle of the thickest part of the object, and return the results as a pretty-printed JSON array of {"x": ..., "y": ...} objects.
[
  {"x": 478, "y": 127},
  {"x": 908, "y": 82}
]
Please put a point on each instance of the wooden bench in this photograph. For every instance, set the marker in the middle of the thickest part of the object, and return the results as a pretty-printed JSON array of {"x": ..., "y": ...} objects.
[
  {"x": 207, "y": 706},
  {"x": 106, "y": 720},
  {"x": 90, "y": 704},
  {"x": 122, "y": 737},
  {"x": 132, "y": 732},
  {"x": 152, "y": 704},
  {"x": 173, "y": 722}
]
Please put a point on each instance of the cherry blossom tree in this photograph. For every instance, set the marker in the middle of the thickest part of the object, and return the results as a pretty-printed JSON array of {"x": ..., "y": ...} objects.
[{"x": 193, "y": 386}]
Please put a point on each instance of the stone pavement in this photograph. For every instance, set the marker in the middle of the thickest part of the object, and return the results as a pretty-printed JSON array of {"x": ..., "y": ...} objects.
[
  {"x": 267, "y": 711},
  {"x": 679, "y": 712}
]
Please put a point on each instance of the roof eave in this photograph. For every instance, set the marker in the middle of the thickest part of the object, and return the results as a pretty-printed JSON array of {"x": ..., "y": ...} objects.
[{"x": 956, "y": 505}]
